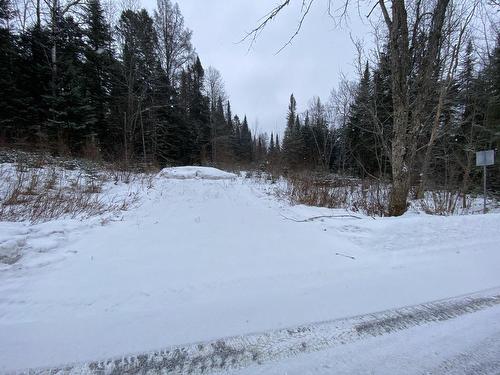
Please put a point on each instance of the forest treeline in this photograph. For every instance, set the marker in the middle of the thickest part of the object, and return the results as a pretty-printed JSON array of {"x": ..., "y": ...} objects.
[
  {"x": 128, "y": 85},
  {"x": 426, "y": 100},
  {"x": 77, "y": 81},
  {"x": 352, "y": 132}
]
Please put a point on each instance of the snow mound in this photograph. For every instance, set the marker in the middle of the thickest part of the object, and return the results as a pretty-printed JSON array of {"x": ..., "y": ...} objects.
[{"x": 203, "y": 173}]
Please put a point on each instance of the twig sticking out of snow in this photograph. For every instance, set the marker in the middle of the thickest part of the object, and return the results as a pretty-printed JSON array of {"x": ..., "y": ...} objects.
[
  {"x": 321, "y": 217},
  {"x": 345, "y": 256}
]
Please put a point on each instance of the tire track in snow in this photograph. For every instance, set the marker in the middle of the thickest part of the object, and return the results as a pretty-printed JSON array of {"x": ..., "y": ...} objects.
[{"x": 241, "y": 351}]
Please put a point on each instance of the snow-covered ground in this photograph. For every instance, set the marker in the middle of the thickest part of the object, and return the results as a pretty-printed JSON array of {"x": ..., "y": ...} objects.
[
  {"x": 430, "y": 349},
  {"x": 206, "y": 255}
]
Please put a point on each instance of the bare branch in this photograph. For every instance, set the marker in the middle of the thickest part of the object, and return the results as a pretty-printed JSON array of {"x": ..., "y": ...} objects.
[
  {"x": 387, "y": 18},
  {"x": 321, "y": 217},
  {"x": 253, "y": 34},
  {"x": 299, "y": 26}
]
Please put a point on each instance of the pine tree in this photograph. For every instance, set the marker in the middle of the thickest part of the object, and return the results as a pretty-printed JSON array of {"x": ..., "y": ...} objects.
[
  {"x": 8, "y": 73},
  {"x": 359, "y": 129},
  {"x": 229, "y": 117},
  {"x": 490, "y": 137},
  {"x": 99, "y": 68},
  {"x": 220, "y": 134},
  {"x": 246, "y": 142},
  {"x": 200, "y": 114},
  {"x": 70, "y": 115},
  {"x": 33, "y": 81},
  {"x": 309, "y": 148},
  {"x": 292, "y": 141},
  {"x": 133, "y": 93},
  {"x": 236, "y": 138},
  {"x": 382, "y": 107}
]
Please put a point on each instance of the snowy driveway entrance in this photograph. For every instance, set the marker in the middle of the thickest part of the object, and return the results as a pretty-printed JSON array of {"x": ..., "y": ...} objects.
[{"x": 204, "y": 259}]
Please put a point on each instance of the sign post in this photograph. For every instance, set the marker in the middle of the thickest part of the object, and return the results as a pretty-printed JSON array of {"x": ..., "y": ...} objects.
[{"x": 483, "y": 159}]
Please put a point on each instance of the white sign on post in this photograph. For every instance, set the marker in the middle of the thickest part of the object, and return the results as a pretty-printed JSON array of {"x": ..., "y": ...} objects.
[{"x": 484, "y": 158}]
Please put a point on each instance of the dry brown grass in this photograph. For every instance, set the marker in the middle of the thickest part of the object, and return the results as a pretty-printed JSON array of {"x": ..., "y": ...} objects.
[
  {"x": 444, "y": 203},
  {"x": 38, "y": 192},
  {"x": 370, "y": 197},
  {"x": 367, "y": 196}
]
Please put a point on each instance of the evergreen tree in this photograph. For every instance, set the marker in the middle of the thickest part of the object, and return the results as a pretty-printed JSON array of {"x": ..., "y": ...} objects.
[
  {"x": 70, "y": 115},
  {"x": 292, "y": 141},
  {"x": 246, "y": 142},
  {"x": 309, "y": 147},
  {"x": 8, "y": 73},
  {"x": 99, "y": 68},
  {"x": 229, "y": 117},
  {"x": 133, "y": 93},
  {"x": 64, "y": 87},
  {"x": 33, "y": 80},
  {"x": 200, "y": 114},
  {"x": 236, "y": 139},
  {"x": 490, "y": 137},
  {"x": 359, "y": 130},
  {"x": 382, "y": 107}
]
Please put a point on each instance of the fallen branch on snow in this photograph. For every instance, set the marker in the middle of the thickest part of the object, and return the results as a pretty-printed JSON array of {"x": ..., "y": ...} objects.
[
  {"x": 321, "y": 217},
  {"x": 345, "y": 256}
]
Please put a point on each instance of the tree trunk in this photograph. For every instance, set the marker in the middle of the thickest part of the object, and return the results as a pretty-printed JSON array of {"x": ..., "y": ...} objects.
[
  {"x": 400, "y": 65},
  {"x": 53, "y": 51},
  {"x": 38, "y": 15},
  {"x": 406, "y": 130},
  {"x": 400, "y": 169}
]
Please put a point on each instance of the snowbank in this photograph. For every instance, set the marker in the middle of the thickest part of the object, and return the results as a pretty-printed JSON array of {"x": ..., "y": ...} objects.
[{"x": 203, "y": 173}]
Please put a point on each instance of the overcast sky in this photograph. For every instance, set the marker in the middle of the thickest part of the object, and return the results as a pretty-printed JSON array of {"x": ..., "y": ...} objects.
[{"x": 258, "y": 81}]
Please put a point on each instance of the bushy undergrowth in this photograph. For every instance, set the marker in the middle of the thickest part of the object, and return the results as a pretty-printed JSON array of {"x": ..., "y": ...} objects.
[
  {"x": 37, "y": 188},
  {"x": 449, "y": 202},
  {"x": 368, "y": 196}
]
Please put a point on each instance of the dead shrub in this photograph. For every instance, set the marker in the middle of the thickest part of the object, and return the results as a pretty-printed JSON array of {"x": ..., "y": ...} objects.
[
  {"x": 444, "y": 203},
  {"x": 367, "y": 196},
  {"x": 39, "y": 195}
]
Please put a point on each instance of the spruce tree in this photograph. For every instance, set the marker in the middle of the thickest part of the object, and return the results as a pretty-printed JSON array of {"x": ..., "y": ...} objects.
[
  {"x": 292, "y": 141},
  {"x": 309, "y": 147},
  {"x": 359, "y": 129},
  {"x": 246, "y": 142},
  {"x": 134, "y": 92},
  {"x": 8, "y": 73},
  {"x": 99, "y": 68},
  {"x": 33, "y": 81},
  {"x": 236, "y": 138},
  {"x": 383, "y": 107},
  {"x": 70, "y": 115},
  {"x": 200, "y": 114}
]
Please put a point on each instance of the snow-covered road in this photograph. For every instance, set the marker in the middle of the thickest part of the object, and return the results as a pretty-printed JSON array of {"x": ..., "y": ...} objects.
[
  {"x": 205, "y": 259},
  {"x": 464, "y": 345},
  {"x": 427, "y": 338}
]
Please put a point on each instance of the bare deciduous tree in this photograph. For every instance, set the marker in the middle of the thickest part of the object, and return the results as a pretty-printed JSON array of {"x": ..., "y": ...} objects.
[
  {"x": 174, "y": 39},
  {"x": 214, "y": 85},
  {"x": 415, "y": 31},
  {"x": 215, "y": 90}
]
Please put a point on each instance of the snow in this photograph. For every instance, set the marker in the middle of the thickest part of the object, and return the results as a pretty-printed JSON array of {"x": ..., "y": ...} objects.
[
  {"x": 207, "y": 255},
  {"x": 204, "y": 173},
  {"x": 428, "y": 349}
]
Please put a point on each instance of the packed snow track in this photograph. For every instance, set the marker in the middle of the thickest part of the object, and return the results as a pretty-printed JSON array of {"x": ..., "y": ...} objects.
[{"x": 244, "y": 353}]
